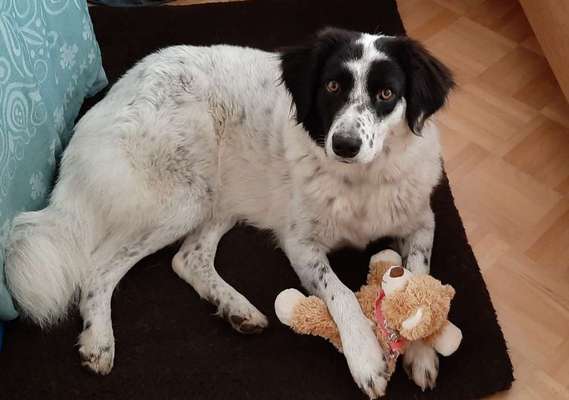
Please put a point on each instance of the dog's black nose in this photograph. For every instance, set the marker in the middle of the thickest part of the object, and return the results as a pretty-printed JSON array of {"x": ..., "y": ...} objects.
[{"x": 346, "y": 146}]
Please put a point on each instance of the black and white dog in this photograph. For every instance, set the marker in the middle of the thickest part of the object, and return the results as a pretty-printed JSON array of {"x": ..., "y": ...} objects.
[{"x": 326, "y": 144}]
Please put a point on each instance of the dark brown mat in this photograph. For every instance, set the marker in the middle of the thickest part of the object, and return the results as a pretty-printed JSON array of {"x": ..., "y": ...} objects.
[{"x": 169, "y": 346}]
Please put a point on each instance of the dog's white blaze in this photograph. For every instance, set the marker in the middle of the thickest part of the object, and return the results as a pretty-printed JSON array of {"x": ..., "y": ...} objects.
[{"x": 358, "y": 115}]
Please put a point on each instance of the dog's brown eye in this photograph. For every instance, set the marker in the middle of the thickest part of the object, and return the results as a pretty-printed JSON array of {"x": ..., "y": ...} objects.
[
  {"x": 385, "y": 94},
  {"x": 332, "y": 86}
]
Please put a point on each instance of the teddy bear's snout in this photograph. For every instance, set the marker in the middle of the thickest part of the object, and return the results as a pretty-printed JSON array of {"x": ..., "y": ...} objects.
[{"x": 396, "y": 272}]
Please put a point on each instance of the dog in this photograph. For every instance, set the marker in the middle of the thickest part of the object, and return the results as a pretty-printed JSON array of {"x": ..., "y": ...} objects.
[{"x": 327, "y": 144}]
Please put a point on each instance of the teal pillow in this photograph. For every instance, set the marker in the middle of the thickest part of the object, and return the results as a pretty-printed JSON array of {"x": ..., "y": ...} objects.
[{"x": 49, "y": 62}]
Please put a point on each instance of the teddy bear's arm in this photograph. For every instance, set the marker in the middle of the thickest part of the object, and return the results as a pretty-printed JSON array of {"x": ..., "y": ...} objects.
[
  {"x": 366, "y": 297},
  {"x": 311, "y": 317}
]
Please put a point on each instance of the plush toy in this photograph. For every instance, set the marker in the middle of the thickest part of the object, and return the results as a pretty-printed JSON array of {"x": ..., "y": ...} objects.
[{"x": 403, "y": 307}]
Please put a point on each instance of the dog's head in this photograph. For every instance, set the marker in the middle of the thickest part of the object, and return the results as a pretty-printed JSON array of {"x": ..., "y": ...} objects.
[{"x": 352, "y": 90}]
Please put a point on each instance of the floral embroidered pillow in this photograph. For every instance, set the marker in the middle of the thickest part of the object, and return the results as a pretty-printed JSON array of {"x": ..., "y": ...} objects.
[{"x": 49, "y": 62}]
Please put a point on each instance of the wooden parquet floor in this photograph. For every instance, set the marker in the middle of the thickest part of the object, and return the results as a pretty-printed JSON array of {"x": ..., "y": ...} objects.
[{"x": 505, "y": 135}]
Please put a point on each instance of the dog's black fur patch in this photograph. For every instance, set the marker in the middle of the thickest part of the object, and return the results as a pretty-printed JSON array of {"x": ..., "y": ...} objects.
[
  {"x": 385, "y": 74},
  {"x": 427, "y": 80},
  {"x": 410, "y": 71},
  {"x": 307, "y": 68}
]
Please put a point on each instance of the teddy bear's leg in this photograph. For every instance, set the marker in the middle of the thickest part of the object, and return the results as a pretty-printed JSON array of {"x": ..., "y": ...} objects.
[
  {"x": 306, "y": 316},
  {"x": 361, "y": 348},
  {"x": 447, "y": 340}
]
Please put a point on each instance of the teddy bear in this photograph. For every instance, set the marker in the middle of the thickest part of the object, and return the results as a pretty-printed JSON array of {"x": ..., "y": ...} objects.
[{"x": 403, "y": 307}]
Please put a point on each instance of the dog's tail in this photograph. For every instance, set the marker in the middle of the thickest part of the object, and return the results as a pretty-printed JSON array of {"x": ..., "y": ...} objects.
[{"x": 44, "y": 263}]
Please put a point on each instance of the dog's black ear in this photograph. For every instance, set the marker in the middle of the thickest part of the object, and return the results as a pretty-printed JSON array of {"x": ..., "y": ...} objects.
[
  {"x": 428, "y": 81},
  {"x": 302, "y": 65}
]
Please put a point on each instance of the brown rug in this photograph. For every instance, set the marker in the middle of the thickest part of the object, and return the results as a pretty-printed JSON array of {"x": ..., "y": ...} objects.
[{"x": 169, "y": 345}]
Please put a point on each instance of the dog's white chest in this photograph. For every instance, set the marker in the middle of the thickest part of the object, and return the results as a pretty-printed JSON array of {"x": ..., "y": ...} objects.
[{"x": 357, "y": 213}]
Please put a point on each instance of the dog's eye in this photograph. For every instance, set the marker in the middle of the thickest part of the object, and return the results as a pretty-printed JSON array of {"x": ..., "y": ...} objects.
[
  {"x": 332, "y": 86},
  {"x": 385, "y": 94}
]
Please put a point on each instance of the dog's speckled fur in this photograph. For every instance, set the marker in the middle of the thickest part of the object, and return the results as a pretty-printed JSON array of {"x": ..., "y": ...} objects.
[{"x": 194, "y": 139}]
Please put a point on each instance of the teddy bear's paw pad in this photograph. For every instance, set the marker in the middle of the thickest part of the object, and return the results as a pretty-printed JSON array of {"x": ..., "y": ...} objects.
[
  {"x": 285, "y": 304},
  {"x": 421, "y": 363}
]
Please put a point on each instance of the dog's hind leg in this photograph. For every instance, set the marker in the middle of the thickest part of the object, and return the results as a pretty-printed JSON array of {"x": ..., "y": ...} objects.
[
  {"x": 96, "y": 342},
  {"x": 194, "y": 264}
]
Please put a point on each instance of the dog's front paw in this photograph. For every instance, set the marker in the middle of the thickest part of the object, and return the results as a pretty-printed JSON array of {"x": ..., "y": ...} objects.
[
  {"x": 97, "y": 351},
  {"x": 248, "y": 323},
  {"x": 421, "y": 363},
  {"x": 242, "y": 315},
  {"x": 366, "y": 361},
  {"x": 370, "y": 378}
]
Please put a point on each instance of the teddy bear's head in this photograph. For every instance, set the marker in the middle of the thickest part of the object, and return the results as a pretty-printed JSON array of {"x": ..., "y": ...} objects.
[{"x": 415, "y": 305}]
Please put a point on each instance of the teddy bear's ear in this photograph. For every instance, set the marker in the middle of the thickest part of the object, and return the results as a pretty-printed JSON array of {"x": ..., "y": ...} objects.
[
  {"x": 449, "y": 291},
  {"x": 376, "y": 271}
]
